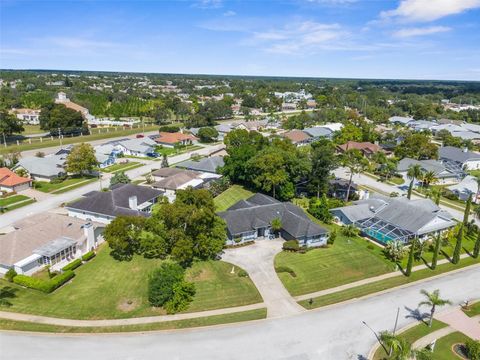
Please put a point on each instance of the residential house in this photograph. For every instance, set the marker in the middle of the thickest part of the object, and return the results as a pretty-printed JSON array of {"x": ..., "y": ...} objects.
[
  {"x": 461, "y": 158},
  {"x": 46, "y": 239},
  {"x": 366, "y": 148},
  {"x": 104, "y": 159},
  {"x": 141, "y": 147},
  {"x": 400, "y": 120},
  {"x": 43, "y": 169},
  {"x": 297, "y": 137},
  {"x": 171, "y": 140},
  {"x": 338, "y": 187},
  {"x": 386, "y": 219},
  {"x": 11, "y": 182},
  {"x": 318, "y": 132},
  {"x": 444, "y": 174},
  {"x": 122, "y": 199},
  {"x": 27, "y": 116},
  {"x": 206, "y": 165},
  {"x": 468, "y": 186},
  {"x": 251, "y": 219}
]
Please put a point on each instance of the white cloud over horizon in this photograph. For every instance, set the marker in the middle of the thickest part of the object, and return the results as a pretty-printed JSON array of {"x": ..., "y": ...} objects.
[{"x": 412, "y": 32}]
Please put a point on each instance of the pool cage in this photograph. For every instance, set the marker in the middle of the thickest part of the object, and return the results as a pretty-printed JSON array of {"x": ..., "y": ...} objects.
[{"x": 383, "y": 231}]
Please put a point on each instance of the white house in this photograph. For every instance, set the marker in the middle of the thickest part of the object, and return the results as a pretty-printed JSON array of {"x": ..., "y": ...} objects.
[
  {"x": 136, "y": 147},
  {"x": 463, "y": 158},
  {"x": 28, "y": 116}
]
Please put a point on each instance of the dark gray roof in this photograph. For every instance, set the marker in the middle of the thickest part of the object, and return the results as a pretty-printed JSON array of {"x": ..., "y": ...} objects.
[
  {"x": 455, "y": 154},
  {"x": 318, "y": 131},
  {"x": 260, "y": 210},
  {"x": 209, "y": 165},
  {"x": 116, "y": 201},
  {"x": 427, "y": 165}
]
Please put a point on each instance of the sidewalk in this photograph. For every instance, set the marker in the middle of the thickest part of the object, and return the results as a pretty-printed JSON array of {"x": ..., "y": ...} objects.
[
  {"x": 368, "y": 281},
  {"x": 458, "y": 321},
  {"x": 120, "y": 322}
]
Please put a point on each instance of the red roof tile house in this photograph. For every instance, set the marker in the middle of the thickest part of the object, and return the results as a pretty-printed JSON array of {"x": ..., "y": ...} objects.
[
  {"x": 9, "y": 181},
  {"x": 367, "y": 148},
  {"x": 171, "y": 139}
]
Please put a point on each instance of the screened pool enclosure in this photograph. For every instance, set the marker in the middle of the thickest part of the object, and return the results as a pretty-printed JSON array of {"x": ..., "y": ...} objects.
[{"x": 382, "y": 231}]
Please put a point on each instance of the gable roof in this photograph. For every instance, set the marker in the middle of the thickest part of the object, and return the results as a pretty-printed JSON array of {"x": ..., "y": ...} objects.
[
  {"x": 260, "y": 210},
  {"x": 9, "y": 179},
  {"x": 318, "y": 131},
  {"x": 143, "y": 145},
  {"x": 166, "y": 172},
  {"x": 367, "y": 147},
  {"x": 178, "y": 180},
  {"x": 426, "y": 165},
  {"x": 173, "y": 138},
  {"x": 116, "y": 201},
  {"x": 48, "y": 166},
  {"x": 209, "y": 165},
  {"x": 455, "y": 154},
  {"x": 296, "y": 136}
]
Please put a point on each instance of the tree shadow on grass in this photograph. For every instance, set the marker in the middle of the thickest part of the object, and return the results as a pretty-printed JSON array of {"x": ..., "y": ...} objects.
[
  {"x": 416, "y": 314},
  {"x": 446, "y": 255},
  {"x": 7, "y": 293},
  {"x": 426, "y": 263},
  {"x": 467, "y": 252}
]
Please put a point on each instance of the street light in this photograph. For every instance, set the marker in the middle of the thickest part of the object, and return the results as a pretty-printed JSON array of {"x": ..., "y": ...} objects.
[{"x": 376, "y": 335}]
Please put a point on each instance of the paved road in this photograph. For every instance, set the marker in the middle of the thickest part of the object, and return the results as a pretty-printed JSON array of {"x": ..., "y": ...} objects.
[
  {"x": 334, "y": 333},
  {"x": 55, "y": 201},
  {"x": 258, "y": 260},
  {"x": 361, "y": 179}
]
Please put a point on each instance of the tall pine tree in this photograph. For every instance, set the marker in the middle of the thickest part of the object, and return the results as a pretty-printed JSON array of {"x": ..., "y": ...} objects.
[
  {"x": 458, "y": 246},
  {"x": 436, "y": 251}
]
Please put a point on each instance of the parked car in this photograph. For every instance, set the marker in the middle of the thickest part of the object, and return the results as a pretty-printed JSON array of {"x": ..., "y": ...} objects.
[
  {"x": 139, "y": 136},
  {"x": 153, "y": 154}
]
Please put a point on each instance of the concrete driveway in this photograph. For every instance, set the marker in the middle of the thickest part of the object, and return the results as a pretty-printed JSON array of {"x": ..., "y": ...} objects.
[{"x": 257, "y": 260}]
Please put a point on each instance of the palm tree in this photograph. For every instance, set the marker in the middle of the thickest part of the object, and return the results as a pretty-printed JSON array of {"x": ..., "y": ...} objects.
[
  {"x": 414, "y": 172},
  {"x": 433, "y": 300},
  {"x": 477, "y": 178},
  {"x": 354, "y": 161},
  {"x": 429, "y": 178},
  {"x": 276, "y": 225},
  {"x": 435, "y": 194},
  {"x": 400, "y": 348},
  {"x": 438, "y": 242}
]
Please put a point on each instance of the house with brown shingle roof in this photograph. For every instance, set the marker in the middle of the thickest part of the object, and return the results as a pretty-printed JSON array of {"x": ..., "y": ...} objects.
[
  {"x": 9, "y": 181},
  {"x": 168, "y": 139},
  {"x": 366, "y": 148},
  {"x": 297, "y": 137}
]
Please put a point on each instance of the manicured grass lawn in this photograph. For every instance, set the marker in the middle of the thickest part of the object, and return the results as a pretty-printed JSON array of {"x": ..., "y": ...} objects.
[
  {"x": 411, "y": 335},
  {"x": 347, "y": 260},
  {"x": 32, "y": 129},
  {"x": 473, "y": 310},
  {"x": 178, "y": 324},
  {"x": 19, "y": 205},
  {"x": 231, "y": 196},
  {"x": 66, "y": 185},
  {"x": 443, "y": 347},
  {"x": 381, "y": 285},
  {"x": 121, "y": 167},
  {"x": 105, "y": 288},
  {"x": 172, "y": 151},
  {"x": 12, "y": 199}
]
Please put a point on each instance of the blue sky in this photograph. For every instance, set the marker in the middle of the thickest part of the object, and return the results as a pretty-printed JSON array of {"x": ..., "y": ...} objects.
[{"x": 410, "y": 39}]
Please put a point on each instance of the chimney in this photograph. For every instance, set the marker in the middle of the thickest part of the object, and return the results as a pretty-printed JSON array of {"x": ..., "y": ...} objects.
[
  {"x": 132, "y": 202},
  {"x": 90, "y": 235}
]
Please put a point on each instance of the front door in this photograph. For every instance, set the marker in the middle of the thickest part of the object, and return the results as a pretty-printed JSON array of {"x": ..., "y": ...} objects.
[{"x": 261, "y": 232}]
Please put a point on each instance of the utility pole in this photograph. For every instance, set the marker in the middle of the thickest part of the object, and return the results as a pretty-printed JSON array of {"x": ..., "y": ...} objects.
[
  {"x": 4, "y": 140},
  {"x": 60, "y": 136}
]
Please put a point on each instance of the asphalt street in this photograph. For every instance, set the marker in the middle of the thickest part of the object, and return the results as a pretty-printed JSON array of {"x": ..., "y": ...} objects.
[{"x": 334, "y": 332}]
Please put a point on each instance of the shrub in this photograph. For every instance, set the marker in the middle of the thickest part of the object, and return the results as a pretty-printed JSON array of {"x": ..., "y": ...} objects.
[
  {"x": 332, "y": 237},
  {"x": 349, "y": 230},
  {"x": 162, "y": 281},
  {"x": 88, "y": 256},
  {"x": 11, "y": 273},
  {"x": 370, "y": 247},
  {"x": 291, "y": 245},
  {"x": 242, "y": 273},
  {"x": 43, "y": 285},
  {"x": 472, "y": 349},
  {"x": 183, "y": 293},
  {"x": 169, "y": 128},
  {"x": 73, "y": 265},
  {"x": 285, "y": 269}
]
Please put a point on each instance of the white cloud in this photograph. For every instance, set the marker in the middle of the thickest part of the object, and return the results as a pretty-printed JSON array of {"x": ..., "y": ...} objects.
[
  {"x": 80, "y": 43},
  {"x": 208, "y": 4},
  {"x": 410, "y": 32},
  {"x": 229, "y": 13},
  {"x": 429, "y": 10},
  {"x": 332, "y": 2}
]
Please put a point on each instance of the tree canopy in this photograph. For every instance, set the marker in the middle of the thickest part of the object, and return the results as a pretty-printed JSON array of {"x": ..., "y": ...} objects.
[
  {"x": 53, "y": 116},
  {"x": 81, "y": 159}
]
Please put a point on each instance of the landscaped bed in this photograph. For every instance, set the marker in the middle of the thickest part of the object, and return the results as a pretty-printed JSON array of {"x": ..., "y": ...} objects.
[
  {"x": 105, "y": 288},
  {"x": 444, "y": 346},
  {"x": 349, "y": 259},
  {"x": 230, "y": 196}
]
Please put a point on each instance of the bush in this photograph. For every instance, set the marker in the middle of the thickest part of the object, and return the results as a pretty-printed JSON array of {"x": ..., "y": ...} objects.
[
  {"x": 162, "y": 282},
  {"x": 370, "y": 247},
  {"x": 73, "y": 265},
  {"x": 242, "y": 273},
  {"x": 285, "y": 269},
  {"x": 291, "y": 245},
  {"x": 183, "y": 293},
  {"x": 88, "y": 256},
  {"x": 350, "y": 231},
  {"x": 43, "y": 285},
  {"x": 332, "y": 237},
  {"x": 11, "y": 273},
  {"x": 472, "y": 349},
  {"x": 169, "y": 128}
]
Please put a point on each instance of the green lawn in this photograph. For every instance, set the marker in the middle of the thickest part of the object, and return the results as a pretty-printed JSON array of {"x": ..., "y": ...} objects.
[
  {"x": 175, "y": 151},
  {"x": 443, "y": 347},
  {"x": 231, "y": 196},
  {"x": 346, "y": 261},
  {"x": 32, "y": 129},
  {"x": 178, "y": 324},
  {"x": 66, "y": 185},
  {"x": 473, "y": 310},
  {"x": 121, "y": 167},
  {"x": 411, "y": 335},
  {"x": 381, "y": 285},
  {"x": 12, "y": 199},
  {"x": 105, "y": 288}
]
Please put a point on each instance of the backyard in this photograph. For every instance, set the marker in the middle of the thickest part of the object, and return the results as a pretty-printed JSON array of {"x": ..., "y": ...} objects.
[
  {"x": 105, "y": 288},
  {"x": 68, "y": 184},
  {"x": 349, "y": 259},
  {"x": 231, "y": 196}
]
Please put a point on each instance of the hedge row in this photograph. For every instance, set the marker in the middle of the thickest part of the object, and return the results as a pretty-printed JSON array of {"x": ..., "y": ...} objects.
[
  {"x": 47, "y": 286},
  {"x": 89, "y": 255},
  {"x": 73, "y": 265}
]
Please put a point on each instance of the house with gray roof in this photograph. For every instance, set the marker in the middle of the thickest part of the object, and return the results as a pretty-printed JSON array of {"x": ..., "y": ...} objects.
[
  {"x": 136, "y": 147},
  {"x": 462, "y": 158},
  {"x": 318, "y": 132},
  {"x": 445, "y": 174},
  {"x": 251, "y": 219},
  {"x": 400, "y": 120},
  {"x": 468, "y": 186},
  {"x": 386, "y": 219},
  {"x": 208, "y": 165},
  {"x": 43, "y": 169},
  {"x": 122, "y": 199}
]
